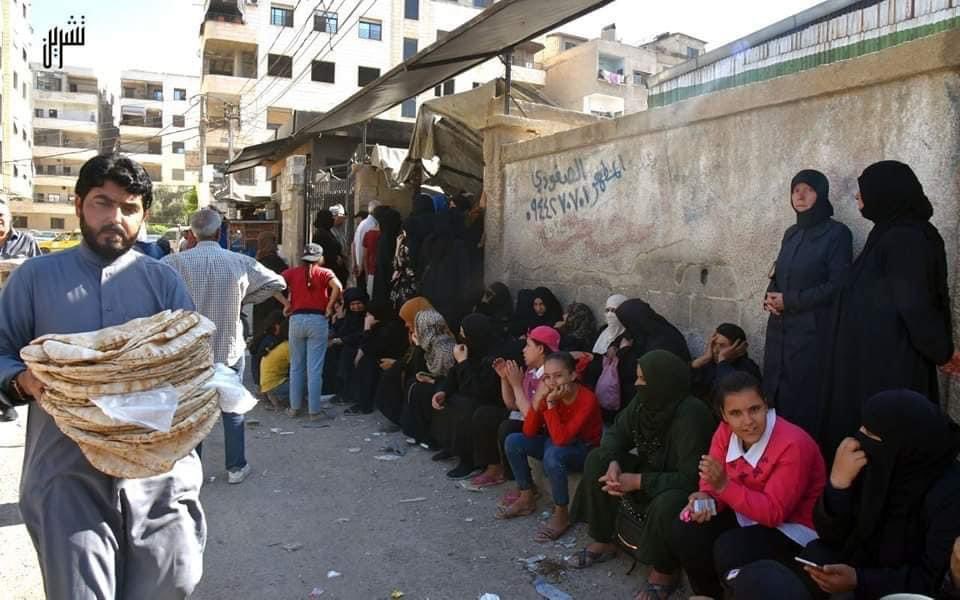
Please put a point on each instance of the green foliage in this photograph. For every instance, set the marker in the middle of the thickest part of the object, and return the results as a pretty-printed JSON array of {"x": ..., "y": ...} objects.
[
  {"x": 157, "y": 229},
  {"x": 173, "y": 205}
]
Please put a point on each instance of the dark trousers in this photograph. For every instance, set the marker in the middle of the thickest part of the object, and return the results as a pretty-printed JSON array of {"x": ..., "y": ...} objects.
[
  {"x": 363, "y": 386},
  {"x": 390, "y": 395},
  {"x": 708, "y": 552},
  {"x": 418, "y": 412},
  {"x": 487, "y": 446}
]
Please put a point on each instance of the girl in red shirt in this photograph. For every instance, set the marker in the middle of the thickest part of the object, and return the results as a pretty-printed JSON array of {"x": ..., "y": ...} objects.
[{"x": 563, "y": 424}]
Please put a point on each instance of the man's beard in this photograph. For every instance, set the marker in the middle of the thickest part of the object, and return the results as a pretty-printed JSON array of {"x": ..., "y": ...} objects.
[{"x": 108, "y": 251}]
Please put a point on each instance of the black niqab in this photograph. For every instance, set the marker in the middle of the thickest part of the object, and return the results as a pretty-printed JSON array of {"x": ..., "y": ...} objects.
[
  {"x": 481, "y": 335},
  {"x": 650, "y": 331},
  {"x": 890, "y": 192},
  {"x": 822, "y": 208},
  {"x": 918, "y": 444},
  {"x": 496, "y": 302}
]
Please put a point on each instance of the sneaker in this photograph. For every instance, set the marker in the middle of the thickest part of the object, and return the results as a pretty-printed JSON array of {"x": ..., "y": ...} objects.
[
  {"x": 238, "y": 475},
  {"x": 462, "y": 471}
]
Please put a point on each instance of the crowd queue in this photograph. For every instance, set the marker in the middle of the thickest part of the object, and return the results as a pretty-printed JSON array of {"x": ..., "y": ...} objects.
[{"x": 829, "y": 470}]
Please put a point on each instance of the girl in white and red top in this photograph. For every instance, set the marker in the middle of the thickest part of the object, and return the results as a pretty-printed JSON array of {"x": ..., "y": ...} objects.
[
  {"x": 314, "y": 291},
  {"x": 763, "y": 476}
]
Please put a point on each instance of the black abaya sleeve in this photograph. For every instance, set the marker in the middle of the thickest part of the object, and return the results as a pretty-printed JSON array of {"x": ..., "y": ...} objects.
[
  {"x": 908, "y": 271},
  {"x": 833, "y": 516},
  {"x": 839, "y": 255}
]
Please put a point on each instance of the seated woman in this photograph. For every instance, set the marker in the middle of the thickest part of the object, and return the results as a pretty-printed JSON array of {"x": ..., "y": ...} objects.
[
  {"x": 647, "y": 464},
  {"x": 346, "y": 332},
  {"x": 578, "y": 328},
  {"x": 725, "y": 353},
  {"x": 888, "y": 517},
  {"x": 470, "y": 384},
  {"x": 397, "y": 374},
  {"x": 264, "y": 341},
  {"x": 275, "y": 369},
  {"x": 492, "y": 424},
  {"x": 497, "y": 304},
  {"x": 384, "y": 338},
  {"x": 435, "y": 344},
  {"x": 763, "y": 475},
  {"x": 534, "y": 309},
  {"x": 571, "y": 416}
]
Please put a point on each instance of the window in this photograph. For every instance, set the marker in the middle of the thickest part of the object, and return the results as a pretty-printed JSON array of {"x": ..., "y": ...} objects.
[
  {"x": 409, "y": 108},
  {"x": 56, "y": 222},
  {"x": 639, "y": 78},
  {"x": 481, "y": 3},
  {"x": 176, "y": 174},
  {"x": 476, "y": 84},
  {"x": 370, "y": 30},
  {"x": 38, "y": 113},
  {"x": 178, "y": 148},
  {"x": 325, "y": 22},
  {"x": 38, "y": 197},
  {"x": 569, "y": 46},
  {"x": 366, "y": 74},
  {"x": 324, "y": 72},
  {"x": 67, "y": 170},
  {"x": 16, "y": 171},
  {"x": 447, "y": 88},
  {"x": 179, "y": 120},
  {"x": 411, "y": 9},
  {"x": 441, "y": 34},
  {"x": 20, "y": 222},
  {"x": 53, "y": 197},
  {"x": 281, "y": 16},
  {"x": 51, "y": 170},
  {"x": 52, "y": 113},
  {"x": 279, "y": 65},
  {"x": 692, "y": 52},
  {"x": 73, "y": 87},
  {"x": 409, "y": 48},
  {"x": 179, "y": 94}
]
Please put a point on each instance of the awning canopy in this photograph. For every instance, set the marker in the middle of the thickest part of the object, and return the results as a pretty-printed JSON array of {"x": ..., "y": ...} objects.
[{"x": 494, "y": 31}]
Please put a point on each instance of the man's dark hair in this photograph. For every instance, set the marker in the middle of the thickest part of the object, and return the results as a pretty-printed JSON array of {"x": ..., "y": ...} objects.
[
  {"x": 732, "y": 332},
  {"x": 563, "y": 357},
  {"x": 119, "y": 169},
  {"x": 738, "y": 381}
]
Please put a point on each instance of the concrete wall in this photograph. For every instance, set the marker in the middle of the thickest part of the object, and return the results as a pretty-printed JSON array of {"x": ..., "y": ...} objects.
[{"x": 685, "y": 206}]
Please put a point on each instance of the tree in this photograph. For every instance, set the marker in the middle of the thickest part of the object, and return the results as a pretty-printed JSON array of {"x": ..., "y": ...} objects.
[{"x": 173, "y": 205}]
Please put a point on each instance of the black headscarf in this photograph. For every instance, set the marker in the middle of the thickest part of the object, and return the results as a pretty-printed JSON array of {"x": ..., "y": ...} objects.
[
  {"x": 554, "y": 312},
  {"x": 496, "y": 302},
  {"x": 918, "y": 444},
  {"x": 822, "y": 208},
  {"x": 650, "y": 331},
  {"x": 481, "y": 335},
  {"x": 354, "y": 294},
  {"x": 890, "y": 192}
]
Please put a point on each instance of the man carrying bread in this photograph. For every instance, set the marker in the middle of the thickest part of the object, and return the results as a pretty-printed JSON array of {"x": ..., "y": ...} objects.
[{"x": 99, "y": 536}]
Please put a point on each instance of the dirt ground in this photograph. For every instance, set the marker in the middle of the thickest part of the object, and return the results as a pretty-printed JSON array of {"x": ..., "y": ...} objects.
[{"x": 319, "y": 501}]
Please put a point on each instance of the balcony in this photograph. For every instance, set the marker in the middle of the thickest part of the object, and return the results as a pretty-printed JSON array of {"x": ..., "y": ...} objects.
[
  {"x": 224, "y": 20},
  {"x": 55, "y": 180},
  {"x": 56, "y": 141},
  {"x": 141, "y": 90},
  {"x": 63, "y": 123},
  {"x": 84, "y": 97}
]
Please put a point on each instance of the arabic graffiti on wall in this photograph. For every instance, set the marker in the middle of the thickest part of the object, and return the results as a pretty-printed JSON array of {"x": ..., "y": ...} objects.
[
  {"x": 576, "y": 188},
  {"x": 58, "y": 38}
]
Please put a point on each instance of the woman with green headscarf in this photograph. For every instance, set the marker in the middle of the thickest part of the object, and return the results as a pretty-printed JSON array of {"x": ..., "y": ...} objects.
[{"x": 646, "y": 465}]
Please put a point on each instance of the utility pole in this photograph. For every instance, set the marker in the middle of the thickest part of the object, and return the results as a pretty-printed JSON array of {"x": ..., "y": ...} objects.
[
  {"x": 203, "y": 134},
  {"x": 230, "y": 112}
]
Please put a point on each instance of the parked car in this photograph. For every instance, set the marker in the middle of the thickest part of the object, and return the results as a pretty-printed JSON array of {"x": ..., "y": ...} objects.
[
  {"x": 67, "y": 239},
  {"x": 43, "y": 236}
]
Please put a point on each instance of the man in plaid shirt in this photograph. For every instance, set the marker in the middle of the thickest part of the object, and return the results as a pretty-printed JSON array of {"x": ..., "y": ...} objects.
[{"x": 220, "y": 283}]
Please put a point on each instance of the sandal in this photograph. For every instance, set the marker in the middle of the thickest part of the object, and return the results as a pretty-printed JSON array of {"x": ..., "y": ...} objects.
[
  {"x": 548, "y": 534},
  {"x": 586, "y": 559},
  {"x": 509, "y": 512},
  {"x": 484, "y": 481},
  {"x": 657, "y": 591},
  {"x": 512, "y": 496}
]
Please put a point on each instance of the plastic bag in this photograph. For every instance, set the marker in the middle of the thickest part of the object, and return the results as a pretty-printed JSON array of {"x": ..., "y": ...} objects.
[
  {"x": 608, "y": 386},
  {"x": 234, "y": 396},
  {"x": 153, "y": 409}
]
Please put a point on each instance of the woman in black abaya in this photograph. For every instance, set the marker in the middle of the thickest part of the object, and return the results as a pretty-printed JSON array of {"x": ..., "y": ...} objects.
[{"x": 891, "y": 324}]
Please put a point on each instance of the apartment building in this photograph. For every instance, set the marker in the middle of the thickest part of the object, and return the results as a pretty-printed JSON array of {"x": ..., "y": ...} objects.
[
  {"x": 271, "y": 57},
  {"x": 158, "y": 115},
  {"x": 156, "y": 123},
  {"x": 605, "y": 76},
  {"x": 16, "y": 178}
]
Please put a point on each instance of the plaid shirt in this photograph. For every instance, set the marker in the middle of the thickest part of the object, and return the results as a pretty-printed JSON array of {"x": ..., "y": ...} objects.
[{"x": 220, "y": 281}]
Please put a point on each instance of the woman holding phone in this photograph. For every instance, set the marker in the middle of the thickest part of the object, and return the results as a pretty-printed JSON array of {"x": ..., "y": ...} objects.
[{"x": 758, "y": 488}]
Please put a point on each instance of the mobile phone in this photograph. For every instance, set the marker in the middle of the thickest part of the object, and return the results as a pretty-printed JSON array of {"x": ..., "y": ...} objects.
[
  {"x": 708, "y": 505},
  {"x": 733, "y": 574},
  {"x": 804, "y": 561}
]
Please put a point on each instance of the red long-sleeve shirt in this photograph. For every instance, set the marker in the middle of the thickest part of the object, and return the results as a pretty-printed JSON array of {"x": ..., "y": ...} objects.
[
  {"x": 786, "y": 482},
  {"x": 567, "y": 423}
]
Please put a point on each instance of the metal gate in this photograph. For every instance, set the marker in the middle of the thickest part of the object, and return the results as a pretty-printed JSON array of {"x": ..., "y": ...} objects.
[{"x": 323, "y": 188}]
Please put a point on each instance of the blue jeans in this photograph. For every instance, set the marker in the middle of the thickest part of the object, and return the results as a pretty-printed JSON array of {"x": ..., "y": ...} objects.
[
  {"x": 308, "y": 349},
  {"x": 280, "y": 394},
  {"x": 234, "y": 431},
  {"x": 557, "y": 462}
]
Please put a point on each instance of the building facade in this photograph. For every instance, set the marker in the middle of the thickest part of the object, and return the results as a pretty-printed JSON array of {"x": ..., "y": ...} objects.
[
  {"x": 266, "y": 59},
  {"x": 16, "y": 178},
  {"x": 605, "y": 76}
]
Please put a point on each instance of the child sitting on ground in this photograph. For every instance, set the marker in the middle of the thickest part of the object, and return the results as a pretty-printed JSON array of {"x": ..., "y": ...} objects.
[{"x": 275, "y": 369}]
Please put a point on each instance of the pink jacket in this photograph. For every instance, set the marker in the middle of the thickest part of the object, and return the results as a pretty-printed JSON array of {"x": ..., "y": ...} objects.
[{"x": 777, "y": 482}]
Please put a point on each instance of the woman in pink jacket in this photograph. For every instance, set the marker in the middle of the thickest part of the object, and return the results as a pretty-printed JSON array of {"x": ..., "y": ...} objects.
[{"x": 758, "y": 488}]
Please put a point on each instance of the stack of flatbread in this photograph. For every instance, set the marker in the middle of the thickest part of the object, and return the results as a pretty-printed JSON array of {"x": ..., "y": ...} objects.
[{"x": 170, "y": 348}]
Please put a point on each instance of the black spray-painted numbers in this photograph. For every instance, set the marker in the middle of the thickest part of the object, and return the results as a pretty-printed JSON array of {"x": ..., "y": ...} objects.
[{"x": 559, "y": 192}]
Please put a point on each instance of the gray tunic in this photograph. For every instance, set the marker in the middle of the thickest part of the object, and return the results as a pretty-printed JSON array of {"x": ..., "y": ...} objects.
[{"x": 98, "y": 536}]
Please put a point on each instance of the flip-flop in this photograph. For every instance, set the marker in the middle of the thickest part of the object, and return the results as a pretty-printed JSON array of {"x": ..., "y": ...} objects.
[
  {"x": 504, "y": 512},
  {"x": 658, "y": 591},
  {"x": 585, "y": 558},
  {"x": 548, "y": 534}
]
